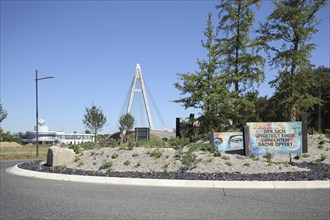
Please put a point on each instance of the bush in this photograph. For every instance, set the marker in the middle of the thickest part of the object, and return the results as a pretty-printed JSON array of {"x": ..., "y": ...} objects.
[
  {"x": 190, "y": 160},
  {"x": 75, "y": 148},
  {"x": 114, "y": 156},
  {"x": 111, "y": 142},
  {"x": 269, "y": 156},
  {"x": 156, "y": 154},
  {"x": 127, "y": 162},
  {"x": 178, "y": 143},
  {"x": 106, "y": 165},
  {"x": 298, "y": 156},
  {"x": 208, "y": 147},
  {"x": 217, "y": 154},
  {"x": 89, "y": 146},
  {"x": 130, "y": 145}
]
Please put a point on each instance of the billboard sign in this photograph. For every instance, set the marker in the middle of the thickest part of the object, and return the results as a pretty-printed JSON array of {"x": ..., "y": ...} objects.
[
  {"x": 275, "y": 137},
  {"x": 227, "y": 141}
]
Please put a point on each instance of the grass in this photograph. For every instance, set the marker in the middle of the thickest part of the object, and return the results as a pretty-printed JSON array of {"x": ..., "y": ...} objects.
[{"x": 23, "y": 153}]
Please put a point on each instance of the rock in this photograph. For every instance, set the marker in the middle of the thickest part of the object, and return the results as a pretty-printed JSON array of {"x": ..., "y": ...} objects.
[{"x": 58, "y": 156}]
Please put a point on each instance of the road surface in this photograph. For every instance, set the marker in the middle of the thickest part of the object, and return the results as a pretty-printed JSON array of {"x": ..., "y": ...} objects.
[{"x": 29, "y": 198}]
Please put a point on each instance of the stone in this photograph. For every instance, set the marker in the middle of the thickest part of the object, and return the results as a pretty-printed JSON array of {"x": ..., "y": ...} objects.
[{"x": 58, "y": 156}]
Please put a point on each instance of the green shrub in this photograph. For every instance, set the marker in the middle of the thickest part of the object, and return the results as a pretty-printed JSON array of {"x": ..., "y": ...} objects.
[
  {"x": 270, "y": 163},
  {"x": 226, "y": 157},
  {"x": 135, "y": 155},
  {"x": 80, "y": 164},
  {"x": 138, "y": 164},
  {"x": 75, "y": 148},
  {"x": 127, "y": 162},
  {"x": 207, "y": 147},
  {"x": 217, "y": 154},
  {"x": 269, "y": 156},
  {"x": 156, "y": 154},
  {"x": 194, "y": 147},
  {"x": 111, "y": 142},
  {"x": 305, "y": 155},
  {"x": 252, "y": 156},
  {"x": 130, "y": 145},
  {"x": 246, "y": 164},
  {"x": 190, "y": 160},
  {"x": 256, "y": 159},
  {"x": 114, "y": 156},
  {"x": 89, "y": 146},
  {"x": 298, "y": 156},
  {"x": 323, "y": 157},
  {"x": 178, "y": 155},
  {"x": 77, "y": 159},
  {"x": 228, "y": 163},
  {"x": 106, "y": 165},
  {"x": 322, "y": 142},
  {"x": 178, "y": 143}
]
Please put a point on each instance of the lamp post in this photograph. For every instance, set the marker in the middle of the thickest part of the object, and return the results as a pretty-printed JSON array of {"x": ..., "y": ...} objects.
[{"x": 37, "y": 129}]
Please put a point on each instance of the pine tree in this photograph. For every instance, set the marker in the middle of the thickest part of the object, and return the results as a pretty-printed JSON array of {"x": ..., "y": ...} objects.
[
  {"x": 292, "y": 24},
  {"x": 242, "y": 67},
  {"x": 205, "y": 89}
]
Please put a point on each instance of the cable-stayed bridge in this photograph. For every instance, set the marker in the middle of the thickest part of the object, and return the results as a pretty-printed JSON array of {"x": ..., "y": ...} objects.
[{"x": 137, "y": 103}]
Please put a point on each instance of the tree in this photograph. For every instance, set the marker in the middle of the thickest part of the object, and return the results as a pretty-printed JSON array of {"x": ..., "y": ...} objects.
[
  {"x": 243, "y": 65},
  {"x": 94, "y": 119},
  {"x": 320, "y": 113},
  {"x": 240, "y": 63},
  {"x": 292, "y": 23},
  {"x": 3, "y": 113},
  {"x": 205, "y": 89},
  {"x": 126, "y": 121}
]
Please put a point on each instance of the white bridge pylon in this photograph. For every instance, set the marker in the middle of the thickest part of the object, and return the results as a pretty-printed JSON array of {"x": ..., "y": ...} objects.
[{"x": 134, "y": 89}]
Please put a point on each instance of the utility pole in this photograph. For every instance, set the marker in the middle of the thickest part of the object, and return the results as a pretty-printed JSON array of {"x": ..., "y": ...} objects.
[{"x": 37, "y": 115}]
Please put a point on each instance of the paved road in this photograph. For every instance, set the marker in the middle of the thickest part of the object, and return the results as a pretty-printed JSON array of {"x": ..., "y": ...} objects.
[{"x": 29, "y": 198}]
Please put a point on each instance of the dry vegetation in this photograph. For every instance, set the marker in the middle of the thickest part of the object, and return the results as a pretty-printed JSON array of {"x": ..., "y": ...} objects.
[{"x": 14, "y": 151}]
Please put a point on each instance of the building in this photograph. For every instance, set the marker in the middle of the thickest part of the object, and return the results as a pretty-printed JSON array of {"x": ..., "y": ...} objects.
[{"x": 51, "y": 137}]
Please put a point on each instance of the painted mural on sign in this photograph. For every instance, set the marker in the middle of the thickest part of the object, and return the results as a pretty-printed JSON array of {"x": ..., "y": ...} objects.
[
  {"x": 226, "y": 141},
  {"x": 275, "y": 137}
]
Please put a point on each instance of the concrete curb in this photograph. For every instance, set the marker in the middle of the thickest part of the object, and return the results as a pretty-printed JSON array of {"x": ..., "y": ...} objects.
[{"x": 173, "y": 183}]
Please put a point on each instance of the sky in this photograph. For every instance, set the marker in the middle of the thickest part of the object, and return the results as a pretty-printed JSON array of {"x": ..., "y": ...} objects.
[{"x": 92, "y": 48}]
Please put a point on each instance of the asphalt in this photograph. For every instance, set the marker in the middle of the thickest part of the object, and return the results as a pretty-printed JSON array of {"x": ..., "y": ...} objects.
[
  {"x": 33, "y": 198},
  {"x": 15, "y": 170}
]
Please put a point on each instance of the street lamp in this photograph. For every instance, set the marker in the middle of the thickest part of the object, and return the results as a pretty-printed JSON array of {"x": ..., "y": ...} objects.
[{"x": 37, "y": 129}]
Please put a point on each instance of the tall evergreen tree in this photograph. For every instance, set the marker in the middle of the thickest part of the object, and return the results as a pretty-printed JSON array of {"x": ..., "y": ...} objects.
[
  {"x": 292, "y": 23},
  {"x": 242, "y": 67},
  {"x": 205, "y": 89},
  {"x": 238, "y": 51}
]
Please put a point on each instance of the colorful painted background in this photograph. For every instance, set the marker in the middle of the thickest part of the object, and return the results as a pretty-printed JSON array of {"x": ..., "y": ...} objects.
[
  {"x": 226, "y": 141},
  {"x": 275, "y": 137}
]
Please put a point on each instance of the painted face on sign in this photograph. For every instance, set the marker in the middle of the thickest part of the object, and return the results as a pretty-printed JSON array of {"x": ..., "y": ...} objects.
[
  {"x": 218, "y": 142},
  {"x": 235, "y": 141}
]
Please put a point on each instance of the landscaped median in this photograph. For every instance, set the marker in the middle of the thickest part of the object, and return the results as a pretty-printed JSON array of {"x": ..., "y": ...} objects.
[
  {"x": 194, "y": 162},
  {"x": 173, "y": 183}
]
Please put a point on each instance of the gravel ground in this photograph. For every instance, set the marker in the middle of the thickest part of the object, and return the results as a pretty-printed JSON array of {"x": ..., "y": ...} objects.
[{"x": 170, "y": 163}]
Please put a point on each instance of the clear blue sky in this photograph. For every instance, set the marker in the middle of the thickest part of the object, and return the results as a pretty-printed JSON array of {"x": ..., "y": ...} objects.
[{"x": 92, "y": 47}]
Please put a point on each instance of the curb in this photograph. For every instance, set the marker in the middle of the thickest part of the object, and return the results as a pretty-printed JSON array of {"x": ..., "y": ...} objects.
[{"x": 173, "y": 183}]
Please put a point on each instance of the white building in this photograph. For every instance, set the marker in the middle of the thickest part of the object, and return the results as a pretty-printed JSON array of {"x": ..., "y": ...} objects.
[{"x": 51, "y": 137}]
